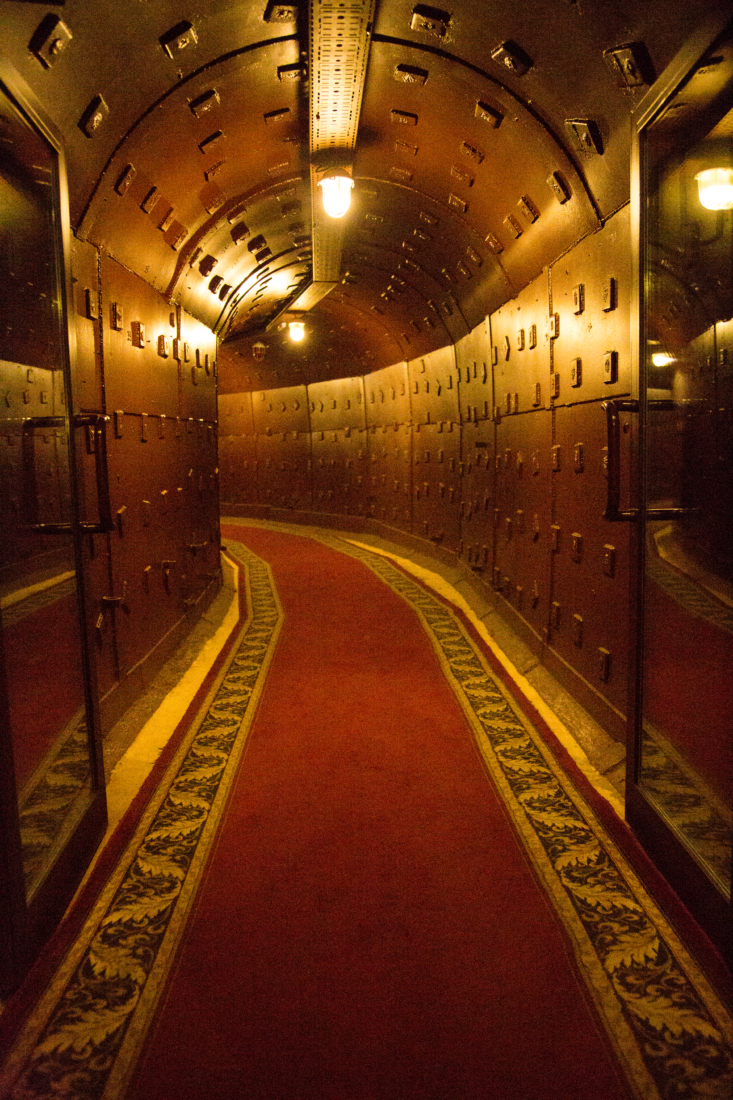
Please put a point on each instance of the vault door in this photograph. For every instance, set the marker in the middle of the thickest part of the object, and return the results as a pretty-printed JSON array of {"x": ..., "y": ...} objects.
[
  {"x": 681, "y": 795},
  {"x": 51, "y": 786}
]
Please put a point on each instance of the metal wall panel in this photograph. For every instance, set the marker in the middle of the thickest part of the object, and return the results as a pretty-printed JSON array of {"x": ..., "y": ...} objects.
[
  {"x": 521, "y": 350},
  {"x": 238, "y": 469},
  {"x": 478, "y": 495},
  {"x": 475, "y": 376},
  {"x": 522, "y": 514},
  {"x": 433, "y": 387},
  {"x": 195, "y": 353},
  {"x": 85, "y": 311},
  {"x": 591, "y": 298},
  {"x": 591, "y": 562},
  {"x": 436, "y": 483},
  {"x": 386, "y": 395},
  {"x": 235, "y": 414},
  {"x": 284, "y": 410},
  {"x": 137, "y": 378},
  {"x": 389, "y": 474},
  {"x": 339, "y": 462},
  {"x": 337, "y": 404},
  {"x": 284, "y": 477}
]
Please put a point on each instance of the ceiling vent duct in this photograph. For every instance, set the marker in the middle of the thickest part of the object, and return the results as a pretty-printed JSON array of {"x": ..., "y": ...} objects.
[{"x": 340, "y": 32}]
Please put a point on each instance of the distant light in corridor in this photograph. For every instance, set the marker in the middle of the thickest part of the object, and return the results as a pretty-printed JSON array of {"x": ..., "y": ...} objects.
[
  {"x": 715, "y": 188},
  {"x": 662, "y": 359},
  {"x": 297, "y": 331}
]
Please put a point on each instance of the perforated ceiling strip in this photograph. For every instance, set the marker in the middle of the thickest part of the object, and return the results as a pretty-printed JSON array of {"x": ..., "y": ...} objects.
[{"x": 340, "y": 32}]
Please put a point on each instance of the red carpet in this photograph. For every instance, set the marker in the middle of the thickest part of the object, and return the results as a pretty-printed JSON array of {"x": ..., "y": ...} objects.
[
  {"x": 369, "y": 927},
  {"x": 687, "y": 688},
  {"x": 42, "y": 656}
]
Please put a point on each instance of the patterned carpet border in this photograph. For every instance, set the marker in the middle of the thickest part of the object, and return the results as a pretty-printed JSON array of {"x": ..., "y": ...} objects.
[
  {"x": 82, "y": 1040},
  {"x": 670, "y": 1030}
]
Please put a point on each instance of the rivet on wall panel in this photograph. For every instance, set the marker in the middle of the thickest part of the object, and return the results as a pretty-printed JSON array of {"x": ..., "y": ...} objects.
[
  {"x": 405, "y": 149},
  {"x": 150, "y": 200},
  {"x": 207, "y": 143},
  {"x": 94, "y": 116},
  {"x": 403, "y": 118},
  {"x": 513, "y": 226},
  {"x": 430, "y": 21},
  {"x": 578, "y": 298},
  {"x": 178, "y": 38},
  {"x": 577, "y": 545},
  {"x": 604, "y": 663},
  {"x": 457, "y": 203},
  {"x": 609, "y": 560},
  {"x": 489, "y": 112},
  {"x": 50, "y": 40},
  {"x": 555, "y": 451},
  {"x": 578, "y": 630},
  {"x": 559, "y": 187},
  {"x": 576, "y": 373},
  {"x": 610, "y": 367},
  {"x": 520, "y": 339},
  {"x": 138, "y": 334},
  {"x": 280, "y": 115},
  {"x": 287, "y": 73},
  {"x": 410, "y": 74},
  {"x": 462, "y": 177},
  {"x": 165, "y": 222},
  {"x": 91, "y": 310},
  {"x": 528, "y": 209},
  {"x": 125, "y": 178},
  {"x": 494, "y": 243},
  {"x": 163, "y": 346},
  {"x": 609, "y": 295},
  {"x": 512, "y": 57},
  {"x": 203, "y": 103},
  {"x": 554, "y": 326},
  {"x": 471, "y": 152},
  {"x": 578, "y": 458},
  {"x": 585, "y": 134}
]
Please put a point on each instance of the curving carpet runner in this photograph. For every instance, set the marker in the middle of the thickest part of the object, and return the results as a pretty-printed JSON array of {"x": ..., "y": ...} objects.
[{"x": 365, "y": 877}]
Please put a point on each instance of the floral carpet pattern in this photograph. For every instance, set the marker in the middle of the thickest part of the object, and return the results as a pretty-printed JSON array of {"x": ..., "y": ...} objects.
[{"x": 671, "y": 1033}]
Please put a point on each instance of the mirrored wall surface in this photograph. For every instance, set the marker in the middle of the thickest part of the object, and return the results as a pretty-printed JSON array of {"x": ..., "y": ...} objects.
[
  {"x": 686, "y": 755},
  {"x": 43, "y": 711}
]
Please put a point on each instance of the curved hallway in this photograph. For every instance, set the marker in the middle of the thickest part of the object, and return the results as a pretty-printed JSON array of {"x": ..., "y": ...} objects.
[{"x": 389, "y": 897}]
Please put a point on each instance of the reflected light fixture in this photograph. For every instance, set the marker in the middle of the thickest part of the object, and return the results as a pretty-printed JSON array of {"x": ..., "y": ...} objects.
[
  {"x": 715, "y": 188},
  {"x": 336, "y": 191},
  {"x": 662, "y": 359},
  {"x": 297, "y": 331}
]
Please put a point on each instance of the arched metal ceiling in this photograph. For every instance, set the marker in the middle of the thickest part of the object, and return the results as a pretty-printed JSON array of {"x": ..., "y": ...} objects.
[{"x": 491, "y": 138}]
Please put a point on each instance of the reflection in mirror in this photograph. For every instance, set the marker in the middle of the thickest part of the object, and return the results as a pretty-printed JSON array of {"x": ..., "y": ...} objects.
[
  {"x": 686, "y": 766},
  {"x": 39, "y": 617}
]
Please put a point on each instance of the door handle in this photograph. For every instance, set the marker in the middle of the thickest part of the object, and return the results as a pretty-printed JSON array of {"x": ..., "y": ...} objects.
[
  {"x": 97, "y": 424},
  {"x": 613, "y": 408}
]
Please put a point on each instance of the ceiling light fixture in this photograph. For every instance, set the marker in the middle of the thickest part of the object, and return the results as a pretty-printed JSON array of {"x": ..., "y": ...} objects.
[
  {"x": 297, "y": 331},
  {"x": 662, "y": 359},
  {"x": 715, "y": 188},
  {"x": 336, "y": 192}
]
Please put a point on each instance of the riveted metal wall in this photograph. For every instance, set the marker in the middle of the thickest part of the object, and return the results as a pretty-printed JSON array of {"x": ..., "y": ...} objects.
[
  {"x": 591, "y": 294},
  {"x": 152, "y": 370},
  {"x": 589, "y": 624},
  {"x": 478, "y": 449}
]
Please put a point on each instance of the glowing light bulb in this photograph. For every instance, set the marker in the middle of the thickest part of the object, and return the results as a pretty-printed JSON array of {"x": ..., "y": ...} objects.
[
  {"x": 715, "y": 188},
  {"x": 297, "y": 331},
  {"x": 662, "y": 359},
  {"x": 336, "y": 190}
]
